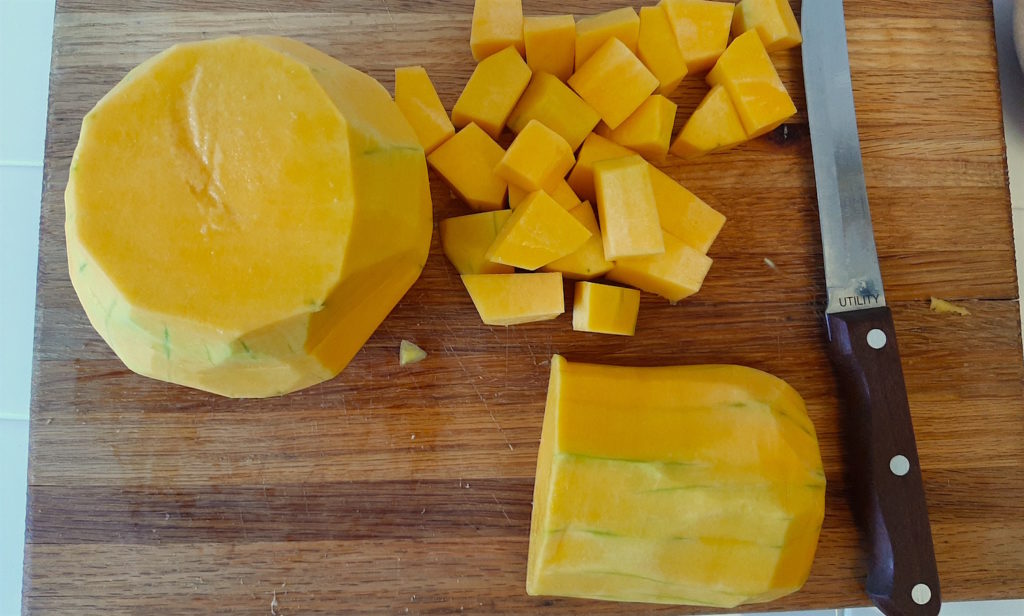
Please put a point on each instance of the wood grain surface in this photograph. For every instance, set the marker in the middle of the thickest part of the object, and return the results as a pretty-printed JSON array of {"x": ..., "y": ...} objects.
[{"x": 408, "y": 490}]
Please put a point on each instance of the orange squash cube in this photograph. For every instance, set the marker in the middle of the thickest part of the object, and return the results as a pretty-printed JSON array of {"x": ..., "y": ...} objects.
[
  {"x": 595, "y": 149},
  {"x": 588, "y": 261},
  {"x": 683, "y": 214},
  {"x": 416, "y": 97},
  {"x": 702, "y": 30},
  {"x": 465, "y": 240},
  {"x": 614, "y": 82},
  {"x": 513, "y": 299},
  {"x": 538, "y": 158},
  {"x": 773, "y": 20},
  {"x": 604, "y": 309},
  {"x": 658, "y": 49},
  {"x": 492, "y": 92},
  {"x": 595, "y": 30},
  {"x": 560, "y": 191},
  {"x": 551, "y": 44},
  {"x": 538, "y": 232},
  {"x": 753, "y": 84},
  {"x": 714, "y": 126},
  {"x": 675, "y": 275},
  {"x": 497, "y": 24},
  {"x": 466, "y": 162},
  {"x": 648, "y": 131},
  {"x": 556, "y": 106},
  {"x": 626, "y": 206}
]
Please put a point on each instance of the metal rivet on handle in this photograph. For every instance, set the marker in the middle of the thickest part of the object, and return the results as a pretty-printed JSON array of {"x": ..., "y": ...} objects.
[
  {"x": 921, "y": 594},
  {"x": 899, "y": 465},
  {"x": 876, "y": 339}
]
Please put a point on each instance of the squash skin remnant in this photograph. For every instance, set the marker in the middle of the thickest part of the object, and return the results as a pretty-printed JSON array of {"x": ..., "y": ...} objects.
[{"x": 237, "y": 188}]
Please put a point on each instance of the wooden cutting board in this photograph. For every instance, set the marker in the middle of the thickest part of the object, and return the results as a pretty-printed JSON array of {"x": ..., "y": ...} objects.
[{"x": 407, "y": 490}]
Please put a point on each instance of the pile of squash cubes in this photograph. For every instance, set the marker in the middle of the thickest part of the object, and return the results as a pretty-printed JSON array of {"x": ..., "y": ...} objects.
[{"x": 588, "y": 101}]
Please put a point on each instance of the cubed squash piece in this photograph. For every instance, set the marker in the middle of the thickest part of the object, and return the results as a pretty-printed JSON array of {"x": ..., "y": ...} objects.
[
  {"x": 465, "y": 240},
  {"x": 538, "y": 232},
  {"x": 684, "y": 215},
  {"x": 467, "y": 162},
  {"x": 614, "y": 82},
  {"x": 674, "y": 275},
  {"x": 625, "y": 204},
  {"x": 658, "y": 49},
  {"x": 416, "y": 97},
  {"x": 648, "y": 131},
  {"x": 604, "y": 309},
  {"x": 773, "y": 20},
  {"x": 556, "y": 106},
  {"x": 497, "y": 24},
  {"x": 559, "y": 191},
  {"x": 595, "y": 30},
  {"x": 512, "y": 299},
  {"x": 714, "y": 126},
  {"x": 551, "y": 44},
  {"x": 492, "y": 92},
  {"x": 595, "y": 149},
  {"x": 694, "y": 485},
  {"x": 750, "y": 78},
  {"x": 702, "y": 30},
  {"x": 538, "y": 157},
  {"x": 588, "y": 261}
]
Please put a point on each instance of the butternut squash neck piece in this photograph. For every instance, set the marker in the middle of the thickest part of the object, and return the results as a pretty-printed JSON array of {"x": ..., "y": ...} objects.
[
  {"x": 697, "y": 485},
  {"x": 244, "y": 262},
  {"x": 497, "y": 24}
]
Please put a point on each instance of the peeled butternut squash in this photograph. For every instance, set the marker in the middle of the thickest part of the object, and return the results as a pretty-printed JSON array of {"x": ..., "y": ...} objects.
[
  {"x": 697, "y": 485},
  {"x": 242, "y": 213}
]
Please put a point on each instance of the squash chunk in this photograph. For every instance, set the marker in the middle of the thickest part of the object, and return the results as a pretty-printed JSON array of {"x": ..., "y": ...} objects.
[
  {"x": 559, "y": 191},
  {"x": 537, "y": 158},
  {"x": 750, "y": 78},
  {"x": 595, "y": 30},
  {"x": 588, "y": 261},
  {"x": 698, "y": 485},
  {"x": 714, "y": 126},
  {"x": 595, "y": 149},
  {"x": 416, "y": 97},
  {"x": 625, "y": 204},
  {"x": 773, "y": 20},
  {"x": 604, "y": 309},
  {"x": 702, "y": 30},
  {"x": 465, "y": 240},
  {"x": 551, "y": 44},
  {"x": 614, "y": 82},
  {"x": 658, "y": 49},
  {"x": 648, "y": 131},
  {"x": 492, "y": 92},
  {"x": 248, "y": 263},
  {"x": 538, "y": 232},
  {"x": 556, "y": 106},
  {"x": 466, "y": 162},
  {"x": 674, "y": 275},
  {"x": 511, "y": 299},
  {"x": 497, "y": 24},
  {"x": 683, "y": 214}
]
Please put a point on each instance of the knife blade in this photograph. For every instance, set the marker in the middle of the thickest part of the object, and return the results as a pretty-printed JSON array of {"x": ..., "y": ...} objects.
[{"x": 881, "y": 451}]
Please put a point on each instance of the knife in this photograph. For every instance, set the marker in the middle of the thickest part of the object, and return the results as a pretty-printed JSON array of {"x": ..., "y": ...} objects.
[{"x": 888, "y": 494}]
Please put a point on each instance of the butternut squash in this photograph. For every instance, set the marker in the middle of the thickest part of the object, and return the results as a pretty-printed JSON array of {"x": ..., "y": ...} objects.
[
  {"x": 248, "y": 263},
  {"x": 696, "y": 485}
]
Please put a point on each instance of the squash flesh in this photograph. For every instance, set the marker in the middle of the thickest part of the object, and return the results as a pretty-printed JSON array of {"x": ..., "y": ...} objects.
[
  {"x": 700, "y": 485},
  {"x": 237, "y": 261}
]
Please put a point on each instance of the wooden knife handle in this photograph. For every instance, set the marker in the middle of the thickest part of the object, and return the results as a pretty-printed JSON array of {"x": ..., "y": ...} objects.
[{"x": 889, "y": 500}]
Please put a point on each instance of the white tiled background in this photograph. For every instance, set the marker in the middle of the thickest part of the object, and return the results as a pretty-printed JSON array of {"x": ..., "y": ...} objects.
[{"x": 26, "y": 28}]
